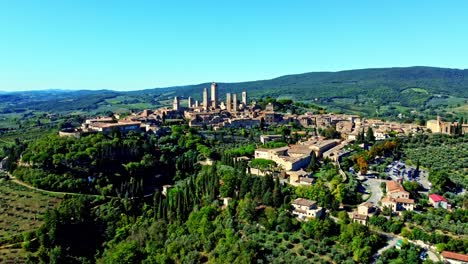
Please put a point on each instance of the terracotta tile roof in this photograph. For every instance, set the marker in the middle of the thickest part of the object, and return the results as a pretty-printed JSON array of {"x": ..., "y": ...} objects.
[
  {"x": 306, "y": 180},
  {"x": 404, "y": 200},
  {"x": 299, "y": 149},
  {"x": 106, "y": 125},
  {"x": 456, "y": 256},
  {"x": 393, "y": 186}
]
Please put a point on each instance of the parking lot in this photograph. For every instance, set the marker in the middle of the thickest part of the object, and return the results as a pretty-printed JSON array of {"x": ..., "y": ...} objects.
[
  {"x": 399, "y": 170},
  {"x": 395, "y": 171}
]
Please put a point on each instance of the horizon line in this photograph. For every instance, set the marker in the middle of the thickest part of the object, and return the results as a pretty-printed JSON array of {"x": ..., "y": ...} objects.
[{"x": 222, "y": 82}]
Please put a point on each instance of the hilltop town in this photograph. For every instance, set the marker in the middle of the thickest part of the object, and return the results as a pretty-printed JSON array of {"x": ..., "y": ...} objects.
[
  {"x": 216, "y": 114},
  {"x": 292, "y": 163},
  {"x": 290, "y": 160}
]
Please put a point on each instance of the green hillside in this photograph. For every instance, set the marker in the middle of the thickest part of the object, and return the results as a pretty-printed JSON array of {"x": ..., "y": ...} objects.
[
  {"x": 366, "y": 91},
  {"x": 385, "y": 84}
]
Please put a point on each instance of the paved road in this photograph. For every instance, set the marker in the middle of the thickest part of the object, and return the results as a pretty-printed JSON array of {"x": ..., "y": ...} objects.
[
  {"x": 393, "y": 239},
  {"x": 432, "y": 256},
  {"x": 391, "y": 242},
  {"x": 373, "y": 187}
]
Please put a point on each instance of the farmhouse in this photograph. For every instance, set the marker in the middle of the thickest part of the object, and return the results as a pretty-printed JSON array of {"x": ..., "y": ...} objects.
[
  {"x": 397, "y": 198},
  {"x": 395, "y": 190},
  {"x": 438, "y": 201},
  {"x": 305, "y": 209}
]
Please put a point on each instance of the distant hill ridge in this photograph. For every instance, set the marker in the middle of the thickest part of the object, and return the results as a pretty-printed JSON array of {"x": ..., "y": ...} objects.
[
  {"x": 407, "y": 86},
  {"x": 367, "y": 82}
]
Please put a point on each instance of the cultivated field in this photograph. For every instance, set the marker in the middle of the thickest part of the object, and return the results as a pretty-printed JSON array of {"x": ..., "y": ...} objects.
[{"x": 21, "y": 210}]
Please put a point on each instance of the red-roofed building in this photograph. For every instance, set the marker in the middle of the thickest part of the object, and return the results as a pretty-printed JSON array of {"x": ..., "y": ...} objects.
[
  {"x": 438, "y": 201},
  {"x": 452, "y": 257},
  {"x": 397, "y": 197}
]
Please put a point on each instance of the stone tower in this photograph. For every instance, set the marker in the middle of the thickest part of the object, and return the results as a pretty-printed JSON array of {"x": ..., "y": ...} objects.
[
  {"x": 205, "y": 99},
  {"x": 234, "y": 102},
  {"x": 176, "y": 104},
  {"x": 244, "y": 98},
  {"x": 214, "y": 95},
  {"x": 228, "y": 102},
  {"x": 189, "y": 103}
]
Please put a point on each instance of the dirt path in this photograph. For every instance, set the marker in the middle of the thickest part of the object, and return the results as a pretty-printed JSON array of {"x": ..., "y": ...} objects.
[{"x": 17, "y": 181}]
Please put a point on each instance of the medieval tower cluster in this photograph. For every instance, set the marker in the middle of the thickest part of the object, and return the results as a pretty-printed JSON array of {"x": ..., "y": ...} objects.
[{"x": 213, "y": 103}]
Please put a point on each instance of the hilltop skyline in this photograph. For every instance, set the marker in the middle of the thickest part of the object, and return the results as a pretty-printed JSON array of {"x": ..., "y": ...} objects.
[{"x": 118, "y": 46}]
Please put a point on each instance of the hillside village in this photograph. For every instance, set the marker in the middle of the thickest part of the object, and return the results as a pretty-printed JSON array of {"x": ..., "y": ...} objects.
[
  {"x": 336, "y": 132},
  {"x": 308, "y": 142},
  {"x": 290, "y": 160}
]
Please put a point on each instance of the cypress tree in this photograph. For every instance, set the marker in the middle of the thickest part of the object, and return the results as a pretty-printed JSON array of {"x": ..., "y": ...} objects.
[
  {"x": 277, "y": 193},
  {"x": 370, "y": 135},
  {"x": 313, "y": 163}
]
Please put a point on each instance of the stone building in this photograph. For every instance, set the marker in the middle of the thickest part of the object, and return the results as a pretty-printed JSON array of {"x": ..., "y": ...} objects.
[
  {"x": 305, "y": 209},
  {"x": 449, "y": 128}
]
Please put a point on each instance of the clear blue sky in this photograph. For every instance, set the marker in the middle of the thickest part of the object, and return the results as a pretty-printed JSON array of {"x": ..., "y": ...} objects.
[{"x": 129, "y": 45}]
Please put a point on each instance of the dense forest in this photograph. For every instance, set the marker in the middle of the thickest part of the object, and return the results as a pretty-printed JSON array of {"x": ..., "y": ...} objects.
[
  {"x": 189, "y": 223},
  {"x": 125, "y": 165},
  {"x": 217, "y": 212}
]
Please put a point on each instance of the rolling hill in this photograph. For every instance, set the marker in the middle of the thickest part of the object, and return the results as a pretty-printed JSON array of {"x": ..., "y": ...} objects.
[
  {"x": 385, "y": 84},
  {"x": 361, "y": 91}
]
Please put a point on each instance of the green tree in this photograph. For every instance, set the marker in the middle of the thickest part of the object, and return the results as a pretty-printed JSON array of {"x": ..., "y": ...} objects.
[
  {"x": 246, "y": 209},
  {"x": 313, "y": 164}
]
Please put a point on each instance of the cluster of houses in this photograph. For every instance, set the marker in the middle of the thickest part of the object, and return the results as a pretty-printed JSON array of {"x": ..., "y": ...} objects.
[
  {"x": 234, "y": 113},
  {"x": 292, "y": 159}
]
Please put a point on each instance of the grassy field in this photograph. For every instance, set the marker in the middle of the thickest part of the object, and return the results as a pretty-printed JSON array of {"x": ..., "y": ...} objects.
[
  {"x": 463, "y": 109},
  {"x": 417, "y": 90}
]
